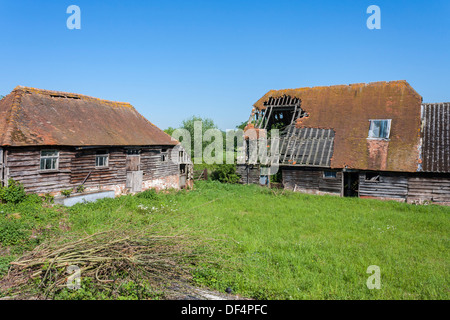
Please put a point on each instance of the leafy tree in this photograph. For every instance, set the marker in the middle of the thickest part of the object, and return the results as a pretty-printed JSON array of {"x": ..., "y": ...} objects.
[
  {"x": 207, "y": 124},
  {"x": 242, "y": 125},
  {"x": 189, "y": 125},
  {"x": 169, "y": 130}
]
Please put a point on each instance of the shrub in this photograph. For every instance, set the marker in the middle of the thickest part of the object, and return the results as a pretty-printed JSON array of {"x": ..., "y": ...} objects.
[
  {"x": 66, "y": 192},
  {"x": 149, "y": 194},
  {"x": 13, "y": 193},
  {"x": 80, "y": 188},
  {"x": 226, "y": 173}
]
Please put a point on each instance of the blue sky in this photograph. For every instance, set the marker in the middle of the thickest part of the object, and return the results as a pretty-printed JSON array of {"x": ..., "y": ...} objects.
[{"x": 175, "y": 59}]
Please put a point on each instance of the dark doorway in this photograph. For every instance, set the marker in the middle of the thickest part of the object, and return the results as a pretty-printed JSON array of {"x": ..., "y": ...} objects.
[{"x": 351, "y": 184}]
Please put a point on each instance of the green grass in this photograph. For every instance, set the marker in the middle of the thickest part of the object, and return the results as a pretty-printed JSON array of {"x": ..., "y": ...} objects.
[{"x": 267, "y": 244}]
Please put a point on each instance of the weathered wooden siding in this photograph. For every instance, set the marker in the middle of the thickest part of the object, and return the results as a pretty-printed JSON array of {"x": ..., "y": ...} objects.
[
  {"x": 83, "y": 164},
  {"x": 331, "y": 185},
  {"x": 390, "y": 186},
  {"x": 311, "y": 181},
  {"x": 154, "y": 167},
  {"x": 23, "y": 165},
  {"x": 434, "y": 188},
  {"x": 250, "y": 174}
]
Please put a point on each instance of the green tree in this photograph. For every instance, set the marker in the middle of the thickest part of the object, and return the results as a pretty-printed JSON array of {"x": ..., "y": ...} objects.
[
  {"x": 169, "y": 130},
  {"x": 242, "y": 125},
  {"x": 207, "y": 124}
]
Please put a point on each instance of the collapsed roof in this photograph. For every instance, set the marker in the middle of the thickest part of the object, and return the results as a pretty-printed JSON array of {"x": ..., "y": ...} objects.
[{"x": 343, "y": 114}]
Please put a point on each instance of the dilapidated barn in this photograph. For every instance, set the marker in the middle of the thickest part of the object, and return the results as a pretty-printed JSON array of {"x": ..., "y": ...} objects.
[
  {"x": 52, "y": 141},
  {"x": 375, "y": 140}
]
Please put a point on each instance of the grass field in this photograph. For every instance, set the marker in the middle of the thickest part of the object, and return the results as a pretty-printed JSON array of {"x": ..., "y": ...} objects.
[{"x": 267, "y": 244}]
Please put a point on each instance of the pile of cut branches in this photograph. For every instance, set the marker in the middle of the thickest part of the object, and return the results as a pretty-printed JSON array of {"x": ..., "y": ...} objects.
[{"x": 106, "y": 257}]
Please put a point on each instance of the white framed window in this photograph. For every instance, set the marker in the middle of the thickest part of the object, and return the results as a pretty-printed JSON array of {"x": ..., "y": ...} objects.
[
  {"x": 101, "y": 159},
  {"x": 329, "y": 174},
  {"x": 49, "y": 159},
  {"x": 379, "y": 129}
]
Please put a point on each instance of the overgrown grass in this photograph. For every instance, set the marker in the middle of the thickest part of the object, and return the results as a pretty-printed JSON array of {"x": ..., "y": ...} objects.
[{"x": 268, "y": 244}]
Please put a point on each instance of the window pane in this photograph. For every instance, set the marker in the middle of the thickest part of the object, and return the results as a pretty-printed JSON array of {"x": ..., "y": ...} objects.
[
  {"x": 49, "y": 153},
  {"x": 379, "y": 129},
  {"x": 101, "y": 161},
  {"x": 49, "y": 160},
  {"x": 329, "y": 174}
]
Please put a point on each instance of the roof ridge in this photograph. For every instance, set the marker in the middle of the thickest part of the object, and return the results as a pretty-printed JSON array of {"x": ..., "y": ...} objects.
[
  {"x": 71, "y": 95},
  {"x": 346, "y": 85},
  {"x": 294, "y": 91}
]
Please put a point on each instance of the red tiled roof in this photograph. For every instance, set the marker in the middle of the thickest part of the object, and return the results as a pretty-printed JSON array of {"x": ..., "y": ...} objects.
[
  {"x": 32, "y": 117},
  {"x": 347, "y": 110}
]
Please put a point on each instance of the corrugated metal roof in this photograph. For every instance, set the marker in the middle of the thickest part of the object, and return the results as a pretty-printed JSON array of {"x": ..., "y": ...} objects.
[
  {"x": 436, "y": 137},
  {"x": 307, "y": 147},
  {"x": 32, "y": 117}
]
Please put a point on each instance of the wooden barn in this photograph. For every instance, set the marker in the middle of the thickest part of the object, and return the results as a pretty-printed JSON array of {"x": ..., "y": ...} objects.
[
  {"x": 375, "y": 140},
  {"x": 53, "y": 141}
]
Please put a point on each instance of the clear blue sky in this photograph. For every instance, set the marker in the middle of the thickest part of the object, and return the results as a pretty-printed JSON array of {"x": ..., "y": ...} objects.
[{"x": 174, "y": 59}]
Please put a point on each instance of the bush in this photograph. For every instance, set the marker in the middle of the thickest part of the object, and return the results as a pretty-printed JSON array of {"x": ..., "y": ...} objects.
[
  {"x": 13, "y": 193},
  {"x": 226, "y": 173},
  {"x": 66, "y": 192},
  {"x": 149, "y": 194}
]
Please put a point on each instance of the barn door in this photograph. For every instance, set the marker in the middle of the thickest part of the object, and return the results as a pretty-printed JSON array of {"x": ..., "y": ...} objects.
[{"x": 134, "y": 174}]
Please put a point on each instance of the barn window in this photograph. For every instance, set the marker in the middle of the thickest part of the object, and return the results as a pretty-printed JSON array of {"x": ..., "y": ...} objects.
[
  {"x": 371, "y": 176},
  {"x": 329, "y": 174},
  {"x": 49, "y": 159},
  {"x": 101, "y": 158},
  {"x": 379, "y": 129},
  {"x": 164, "y": 157},
  {"x": 181, "y": 156}
]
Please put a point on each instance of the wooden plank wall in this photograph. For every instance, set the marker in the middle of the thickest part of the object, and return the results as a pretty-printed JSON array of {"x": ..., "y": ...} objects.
[
  {"x": 312, "y": 180},
  {"x": 434, "y": 188},
  {"x": 154, "y": 168},
  {"x": 330, "y": 184},
  {"x": 23, "y": 165},
  {"x": 249, "y": 173},
  {"x": 391, "y": 186},
  {"x": 83, "y": 163}
]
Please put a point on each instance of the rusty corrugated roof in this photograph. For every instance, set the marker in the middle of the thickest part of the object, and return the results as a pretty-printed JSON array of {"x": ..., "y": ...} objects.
[
  {"x": 32, "y": 117},
  {"x": 436, "y": 137},
  {"x": 347, "y": 110}
]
